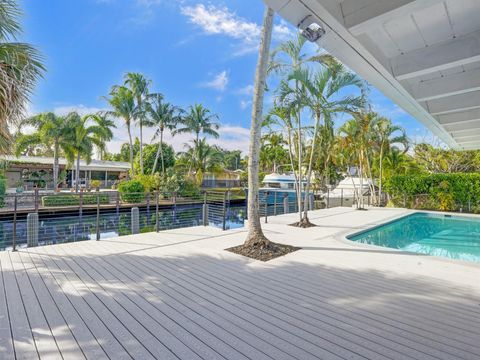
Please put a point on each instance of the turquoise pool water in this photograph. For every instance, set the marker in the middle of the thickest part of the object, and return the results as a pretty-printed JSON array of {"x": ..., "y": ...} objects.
[{"x": 454, "y": 237}]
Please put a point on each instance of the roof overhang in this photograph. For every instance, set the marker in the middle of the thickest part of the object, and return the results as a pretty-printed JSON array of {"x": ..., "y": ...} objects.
[{"x": 422, "y": 54}]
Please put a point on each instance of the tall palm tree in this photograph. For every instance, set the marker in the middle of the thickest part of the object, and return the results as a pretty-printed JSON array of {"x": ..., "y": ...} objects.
[
  {"x": 163, "y": 116},
  {"x": 21, "y": 67},
  {"x": 49, "y": 129},
  {"x": 388, "y": 135},
  {"x": 199, "y": 120},
  {"x": 322, "y": 89},
  {"x": 85, "y": 133},
  {"x": 122, "y": 101},
  {"x": 255, "y": 237},
  {"x": 138, "y": 84}
]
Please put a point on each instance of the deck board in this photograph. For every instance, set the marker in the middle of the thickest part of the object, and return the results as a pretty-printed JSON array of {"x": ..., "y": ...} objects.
[{"x": 178, "y": 295}]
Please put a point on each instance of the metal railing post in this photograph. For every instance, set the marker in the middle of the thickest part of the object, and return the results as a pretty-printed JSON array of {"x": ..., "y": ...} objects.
[
  {"x": 224, "y": 211},
  {"x": 286, "y": 209},
  {"x": 174, "y": 207},
  {"x": 341, "y": 198},
  {"x": 205, "y": 210},
  {"x": 266, "y": 207},
  {"x": 98, "y": 216},
  {"x": 246, "y": 203},
  {"x": 148, "y": 207},
  {"x": 328, "y": 198},
  {"x": 156, "y": 212},
  {"x": 14, "y": 235},
  {"x": 274, "y": 203},
  {"x": 36, "y": 199}
]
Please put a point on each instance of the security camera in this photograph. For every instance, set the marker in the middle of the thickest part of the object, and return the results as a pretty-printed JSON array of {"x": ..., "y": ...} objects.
[{"x": 311, "y": 32}]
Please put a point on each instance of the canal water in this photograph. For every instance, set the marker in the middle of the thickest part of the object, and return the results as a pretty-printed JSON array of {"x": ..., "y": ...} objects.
[{"x": 55, "y": 228}]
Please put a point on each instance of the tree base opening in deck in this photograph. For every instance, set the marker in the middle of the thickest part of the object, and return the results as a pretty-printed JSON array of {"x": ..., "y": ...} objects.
[{"x": 263, "y": 253}]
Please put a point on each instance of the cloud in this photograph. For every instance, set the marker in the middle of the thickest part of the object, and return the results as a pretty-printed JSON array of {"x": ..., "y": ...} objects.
[
  {"x": 246, "y": 91},
  {"x": 245, "y": 104},
  {"x": 219, "y": 82},
  {"x": 215, "y": 20}
]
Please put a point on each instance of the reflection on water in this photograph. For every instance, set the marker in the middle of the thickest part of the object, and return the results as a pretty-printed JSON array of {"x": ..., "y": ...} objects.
[
  {"x": 455, "y": 237},
  {"x": 55, "y": 229}
]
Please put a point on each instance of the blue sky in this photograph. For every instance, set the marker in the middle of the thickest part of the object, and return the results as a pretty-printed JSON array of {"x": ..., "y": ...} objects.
[{"x": 193, "y": 51}]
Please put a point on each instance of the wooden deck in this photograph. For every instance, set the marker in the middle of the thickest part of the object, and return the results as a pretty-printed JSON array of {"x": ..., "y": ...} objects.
[{"x": 178, "y": 295}]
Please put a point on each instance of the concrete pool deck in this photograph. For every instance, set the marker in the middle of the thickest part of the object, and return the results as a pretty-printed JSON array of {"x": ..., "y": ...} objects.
[{"x": 178, "y": 295}]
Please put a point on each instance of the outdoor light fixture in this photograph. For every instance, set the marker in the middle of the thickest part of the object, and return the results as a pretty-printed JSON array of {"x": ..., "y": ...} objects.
[{"x": 311, "y": 32}]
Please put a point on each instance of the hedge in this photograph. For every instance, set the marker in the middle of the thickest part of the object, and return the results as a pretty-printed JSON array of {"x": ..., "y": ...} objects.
[
  {"x": 447, "y": 192},
  {"x": 66, "y": 200}
]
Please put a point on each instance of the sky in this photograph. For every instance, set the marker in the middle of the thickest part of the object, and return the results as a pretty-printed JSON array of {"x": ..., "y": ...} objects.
[{"x": 193, "y": 51}]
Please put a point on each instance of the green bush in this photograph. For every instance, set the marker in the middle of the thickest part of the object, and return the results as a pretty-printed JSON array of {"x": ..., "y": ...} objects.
[
  {"x": 446, "y": 192},
  {"x": 74, "y": 200},
  {"x": 131, "y": 191},
  {"x": 3, "y": 190}
]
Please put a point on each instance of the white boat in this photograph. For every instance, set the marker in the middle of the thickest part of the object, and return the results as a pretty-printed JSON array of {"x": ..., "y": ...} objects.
[
  {"x": 284, "y": 182},
  {"x": 346, "y": 191}
]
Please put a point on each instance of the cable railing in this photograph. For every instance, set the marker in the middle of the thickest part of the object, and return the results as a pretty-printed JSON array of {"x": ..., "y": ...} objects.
[{"x": 43, "y": 218}]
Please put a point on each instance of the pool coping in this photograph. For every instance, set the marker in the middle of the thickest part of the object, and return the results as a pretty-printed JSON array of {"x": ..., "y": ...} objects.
[{"x": 343, "y": 236}]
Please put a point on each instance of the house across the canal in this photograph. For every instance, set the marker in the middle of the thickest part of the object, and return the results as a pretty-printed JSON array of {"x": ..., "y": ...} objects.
[{"x": 25, "y": 172}]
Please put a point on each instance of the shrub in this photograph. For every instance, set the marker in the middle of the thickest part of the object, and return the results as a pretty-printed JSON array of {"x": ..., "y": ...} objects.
[
  {"x": 446, "y": 192},
  {"x": 95, "y": 184},
  {"x": 131, "y": 191},
  {"x": 74, "y": 200},
  {"x": 149, "y": 182}
]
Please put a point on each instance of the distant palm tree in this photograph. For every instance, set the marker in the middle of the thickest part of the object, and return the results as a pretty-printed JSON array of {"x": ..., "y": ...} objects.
[
  {"x": 104, "y": 121},
  {"x": 387, "y": 135},
  {"x": 122, "y": 101},
  {"x": 200, "y": 158},
  {"x": 49, "y": 129},
  {"x": 199, "y": 120},
  {"x": 85, "y": 133},
  {"x": 138, "y": 84},
  {"x": 20, "y": 68},
  {"x": 163, "y": 116}
]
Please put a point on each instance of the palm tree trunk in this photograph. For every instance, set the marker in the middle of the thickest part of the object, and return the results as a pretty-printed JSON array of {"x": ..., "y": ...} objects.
[
  {"x": 77, "y": 173},
  {"x": 141, "y": 147},
  {"x": 255, "y": 237},
  {"x": 131, "y": 150},
  {"x": 159, "y": 151},
  {"x": 300, "y": 177},
  {"x": 309, "y": 172}
]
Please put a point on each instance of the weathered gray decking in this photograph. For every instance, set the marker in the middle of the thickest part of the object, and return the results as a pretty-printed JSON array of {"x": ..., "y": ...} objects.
[{"x": 177, "y": 295}]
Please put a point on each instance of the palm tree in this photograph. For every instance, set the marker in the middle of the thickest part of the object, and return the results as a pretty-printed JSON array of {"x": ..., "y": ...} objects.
[
  {"x": 386, "y": 138},
  {"x": 199, "y": 120},
  {"x": 163, "y": 116},
  {"x": 323, "y": 99},
  {"x": 255, "y": 237},
  {"x": 85, "y": 133},
  {"x": 138, "y": 84},
  {"x": 49, "y": 129},
  {"x": 358, "y": 138},
  {"x": 104, "y": 121},
  {"x": 123, "y": 104},
  {"x": 200, "y": 158},
  {"x": 21, "y": 67},
  {"x": 273, "y": 150}
]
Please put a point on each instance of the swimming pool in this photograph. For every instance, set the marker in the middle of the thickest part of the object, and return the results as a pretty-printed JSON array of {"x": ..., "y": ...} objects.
[{"x": 454, "y": 237}]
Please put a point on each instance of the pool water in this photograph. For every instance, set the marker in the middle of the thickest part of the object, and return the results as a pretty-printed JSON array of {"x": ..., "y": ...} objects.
[{"x": 454, "y": 237}]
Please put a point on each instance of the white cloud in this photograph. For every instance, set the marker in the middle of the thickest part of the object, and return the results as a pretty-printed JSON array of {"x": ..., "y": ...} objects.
[
  {"x": 245, "y": 104},
  {"x": 215, "y": 20},
  {"x": 219, "y": 82},
  {"x": 247, "y": 90}
]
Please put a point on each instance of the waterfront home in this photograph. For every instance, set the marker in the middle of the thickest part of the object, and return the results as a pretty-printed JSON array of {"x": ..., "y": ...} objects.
[{"x": 25, "y": 172}]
